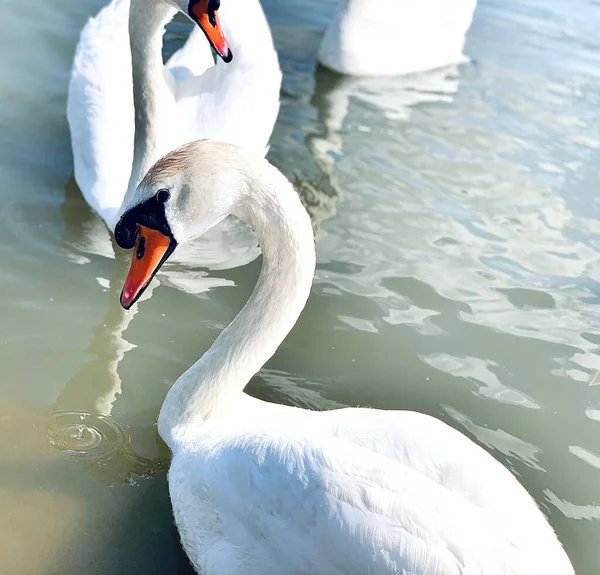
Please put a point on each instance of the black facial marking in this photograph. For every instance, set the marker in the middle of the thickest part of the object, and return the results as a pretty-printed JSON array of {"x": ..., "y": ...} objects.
[
  {"x": 213, "y": 6},
  {"x": 150, "y": 214},
  {"x": 211, "y": 9}
]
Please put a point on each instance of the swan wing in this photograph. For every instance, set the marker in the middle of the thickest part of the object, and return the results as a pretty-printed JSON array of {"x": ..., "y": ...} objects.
[
  {"x": 236, "y": 106},
  {"x": 100, "y": 110},
  {"x": 444, "y": 455},
  {"x": 308, "y": 503},
  {"x": 436, "y": 450}
]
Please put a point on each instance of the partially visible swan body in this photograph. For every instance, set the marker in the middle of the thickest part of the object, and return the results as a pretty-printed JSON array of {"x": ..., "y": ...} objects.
[
  {"x": 126, "y": 109},
  {"x": 261, "y": 488},
  {"x": 394, "y": 37}
]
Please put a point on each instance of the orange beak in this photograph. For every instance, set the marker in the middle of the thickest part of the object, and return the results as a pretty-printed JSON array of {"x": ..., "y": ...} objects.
[
  {"x": 152, "y": 248},
  {"x": 207, "y": 18}
]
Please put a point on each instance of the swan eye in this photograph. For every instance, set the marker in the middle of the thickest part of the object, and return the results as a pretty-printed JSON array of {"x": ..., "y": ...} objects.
[{"x": 163, "y": 195}]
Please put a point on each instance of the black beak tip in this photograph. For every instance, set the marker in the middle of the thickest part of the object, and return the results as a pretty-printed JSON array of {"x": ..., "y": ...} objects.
[
  {"x": 228, "y": 57},
  {"x": 124, "y": 305}
]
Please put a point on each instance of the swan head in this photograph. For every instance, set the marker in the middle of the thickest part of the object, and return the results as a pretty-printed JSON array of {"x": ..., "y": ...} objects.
[
  {"x": 182, "y": 196},
  {"x": 205, "y": 14}
]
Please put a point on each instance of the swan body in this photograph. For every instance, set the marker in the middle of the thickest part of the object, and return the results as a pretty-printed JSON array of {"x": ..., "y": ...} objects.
[
  {"x": 126, "y": 109},
  {"x": 394, "y": 37},
  {"x": 264, "y": 488}
]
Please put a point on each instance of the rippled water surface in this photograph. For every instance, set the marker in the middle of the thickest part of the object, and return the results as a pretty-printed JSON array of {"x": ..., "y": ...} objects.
[{"x": 457, "y": 218}]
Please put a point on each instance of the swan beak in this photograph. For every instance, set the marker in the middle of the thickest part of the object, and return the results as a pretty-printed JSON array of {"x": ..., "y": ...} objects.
[
  {"x": 204, "y": 13},
  {"x": 152, "y": 248}
]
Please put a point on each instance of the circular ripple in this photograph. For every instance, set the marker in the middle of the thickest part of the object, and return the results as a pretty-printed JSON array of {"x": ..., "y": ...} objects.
[
  {"x": 102, "y": 446},
  {"x": 86, "y": 434}
]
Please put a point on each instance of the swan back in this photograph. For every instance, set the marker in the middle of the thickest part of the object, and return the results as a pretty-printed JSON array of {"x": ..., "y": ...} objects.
[
  {"x": 283, "y": 490},
  {"x": 385, "y": 37}
]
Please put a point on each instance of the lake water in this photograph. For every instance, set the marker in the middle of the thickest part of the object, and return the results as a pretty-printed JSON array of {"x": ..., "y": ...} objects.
[{"x": 457, "y": 218}]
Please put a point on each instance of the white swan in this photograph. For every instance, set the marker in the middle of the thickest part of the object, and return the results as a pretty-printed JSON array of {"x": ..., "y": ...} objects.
[
  {"x": 261, "y": 488},
  {"x": 385, "y": 37},
  {"x": 118, "y": 68}
]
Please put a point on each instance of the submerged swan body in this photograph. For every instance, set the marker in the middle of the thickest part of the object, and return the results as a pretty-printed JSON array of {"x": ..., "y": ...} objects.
[
  {"x": 262, "y": 488},
  {"x": 126, "y": 109},
  {"x": 393, "y": 37}
]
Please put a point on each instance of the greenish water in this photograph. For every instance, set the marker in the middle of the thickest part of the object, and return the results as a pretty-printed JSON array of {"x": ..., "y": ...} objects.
[{"x": 458, "y": 275}]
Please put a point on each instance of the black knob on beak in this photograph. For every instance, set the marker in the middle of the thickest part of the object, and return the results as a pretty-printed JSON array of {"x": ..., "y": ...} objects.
[{"x": 150, "y": 213}]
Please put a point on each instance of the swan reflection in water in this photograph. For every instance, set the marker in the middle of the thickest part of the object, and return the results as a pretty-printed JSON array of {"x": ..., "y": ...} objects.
[
  {"x": 81, "y": 423},
  {"x": 391, "y": 97}
]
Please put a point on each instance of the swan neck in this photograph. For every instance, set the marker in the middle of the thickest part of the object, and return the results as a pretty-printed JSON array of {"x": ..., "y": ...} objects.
[
  {"x": 209, "y": 388},
  {"x": 147, "y": 20}
]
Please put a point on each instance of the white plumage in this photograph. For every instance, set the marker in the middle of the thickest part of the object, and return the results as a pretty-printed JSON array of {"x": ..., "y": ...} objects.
[
  {"x": 385, "y": 37},
  {"x": 260, "y": 488}
]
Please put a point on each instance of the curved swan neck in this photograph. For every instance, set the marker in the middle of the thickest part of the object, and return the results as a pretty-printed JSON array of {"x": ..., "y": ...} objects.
[
  {"x": 147, "y": 20},
  {"x": 272, "y": 207}
]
